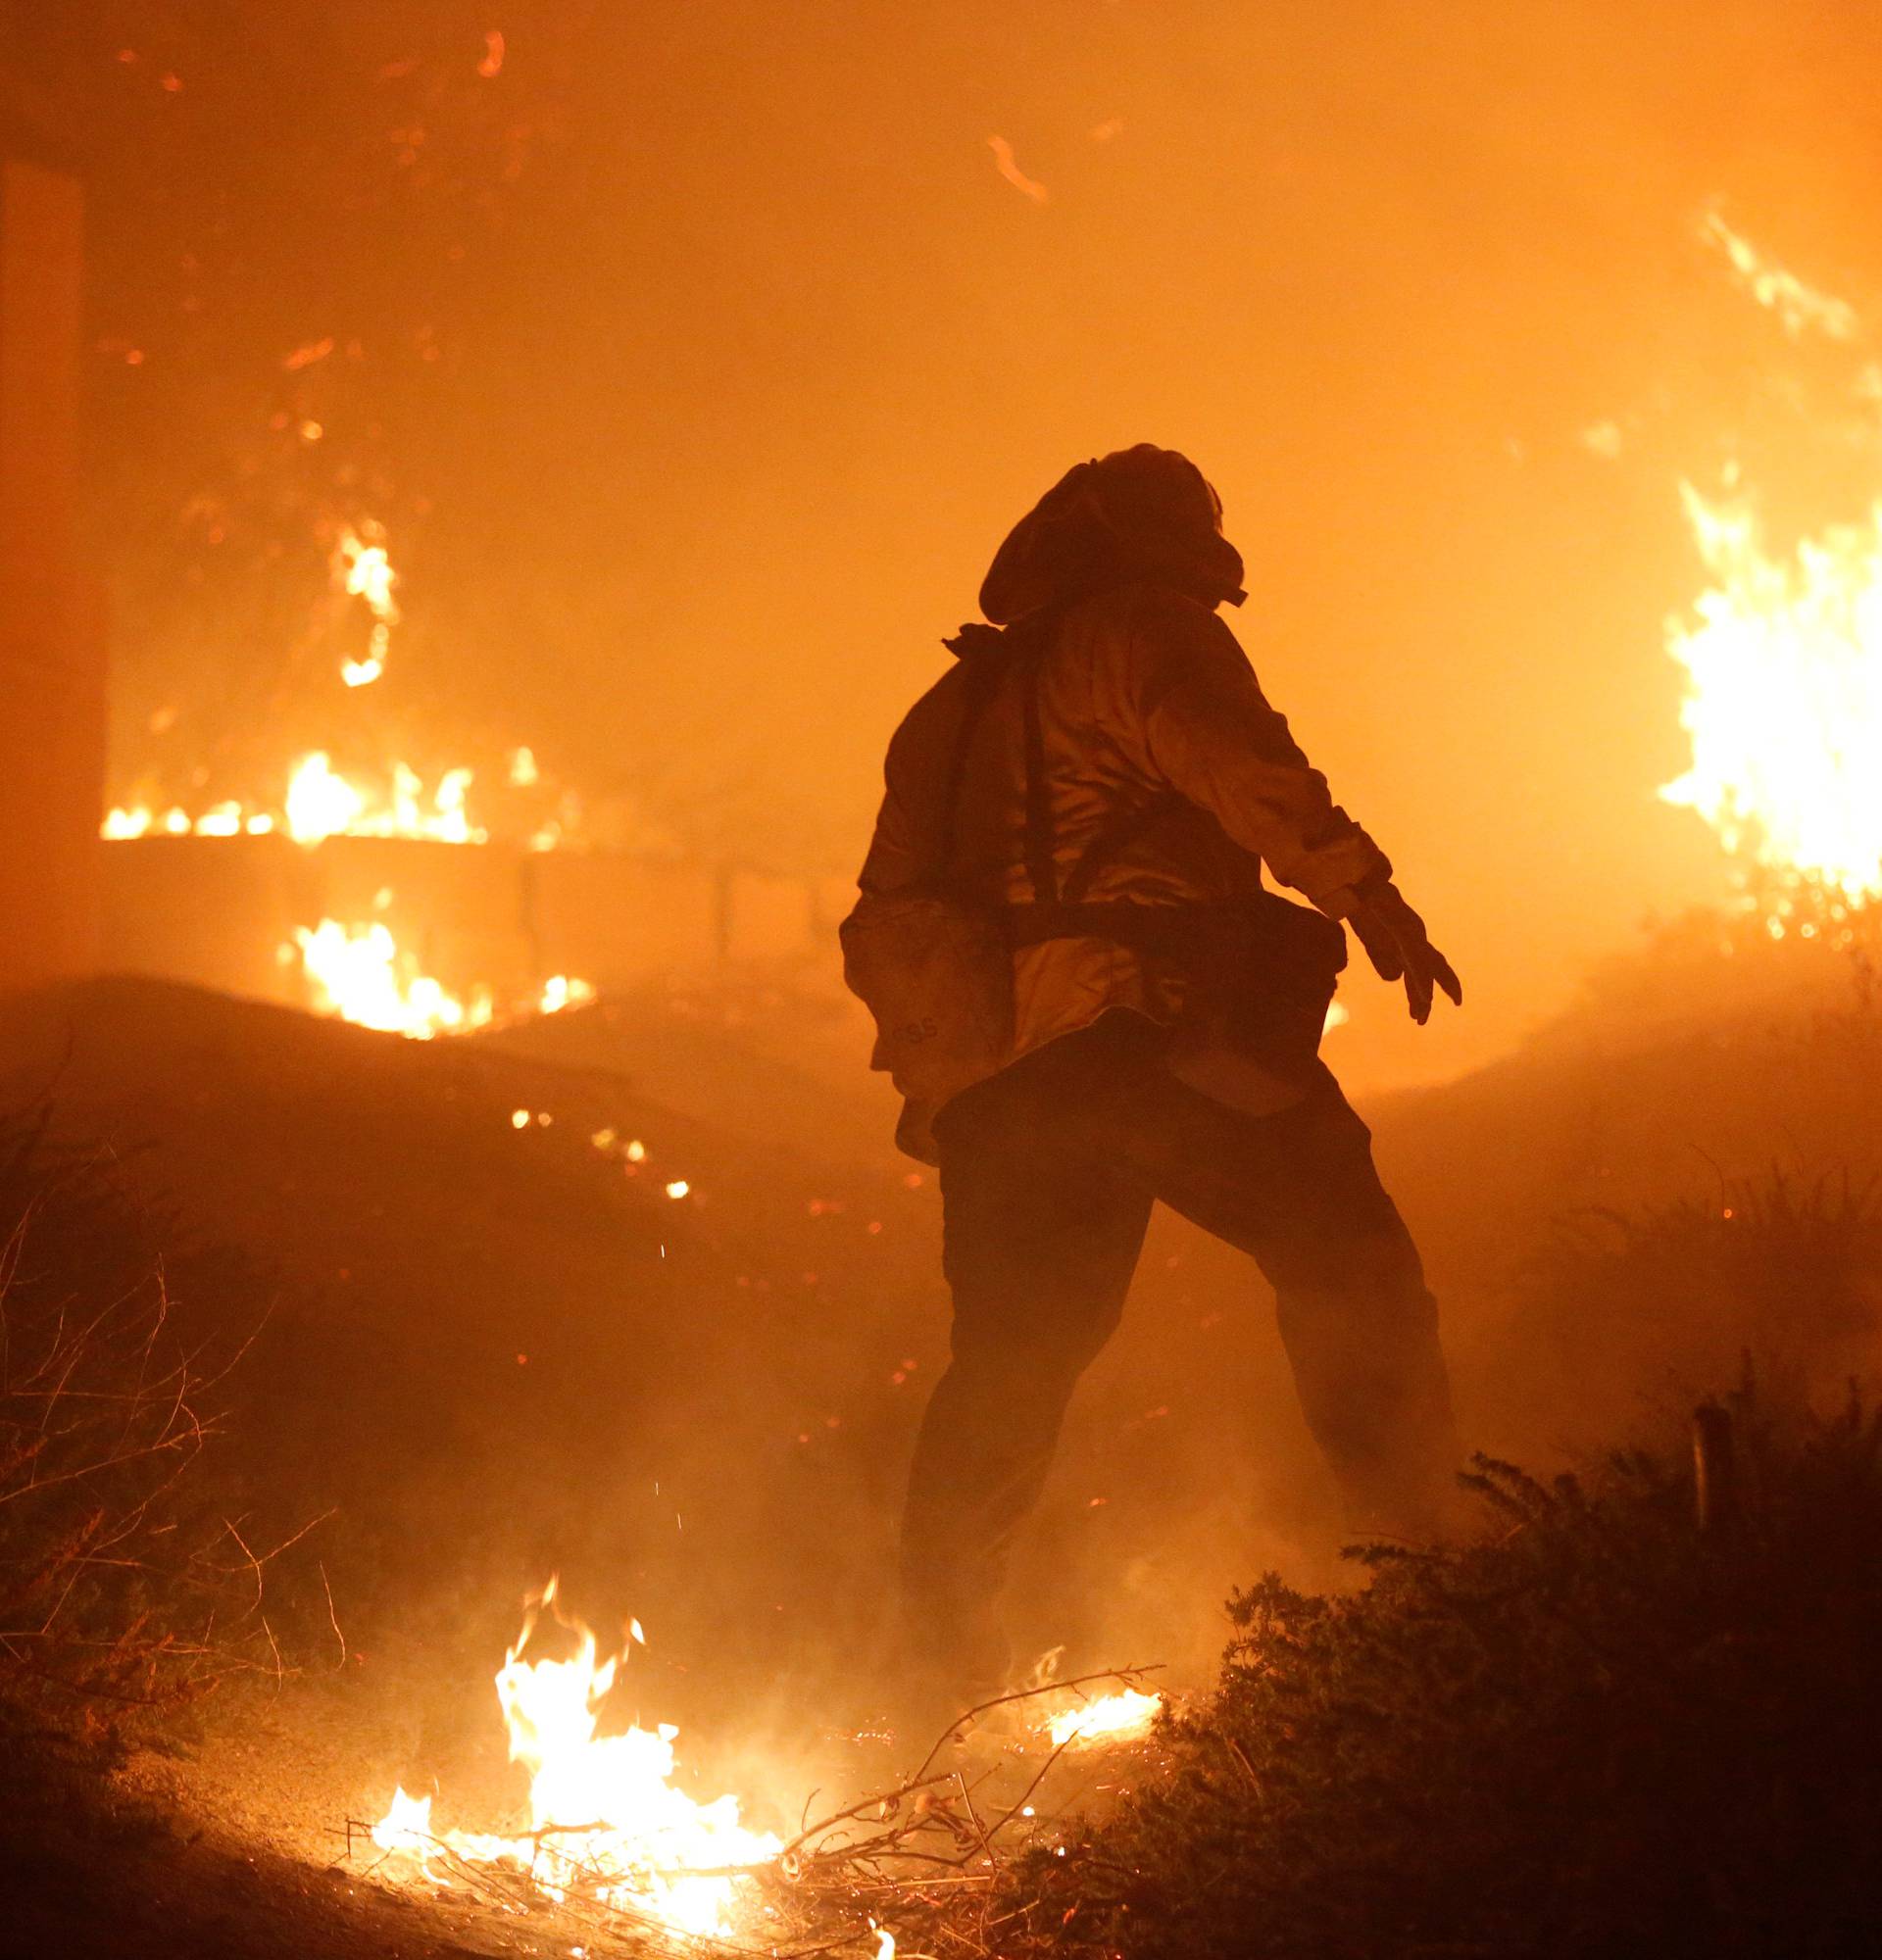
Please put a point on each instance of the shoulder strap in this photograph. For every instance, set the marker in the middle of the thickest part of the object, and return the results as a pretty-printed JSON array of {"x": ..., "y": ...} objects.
[
  {"x": 1115, "y": 835},
  {"x": 980, "y": 680},
  {"x": 1042, "y": 871}
]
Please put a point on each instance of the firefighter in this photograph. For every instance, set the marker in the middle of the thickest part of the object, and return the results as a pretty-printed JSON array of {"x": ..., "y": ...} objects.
[{"x": 1091, "y": 1000}]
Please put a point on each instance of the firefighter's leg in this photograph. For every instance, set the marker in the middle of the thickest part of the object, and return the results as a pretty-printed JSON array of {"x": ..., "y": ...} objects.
[
  {"x": 1299, "y": 1191},
  {"x": 1040, "y": 1242}
]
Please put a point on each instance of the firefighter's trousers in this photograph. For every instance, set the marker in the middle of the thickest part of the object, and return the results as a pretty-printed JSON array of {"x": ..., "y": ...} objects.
[{"x": 1048, "y": 1174}]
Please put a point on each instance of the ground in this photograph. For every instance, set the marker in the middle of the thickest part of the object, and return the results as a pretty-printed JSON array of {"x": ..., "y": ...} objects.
[{"x": 490, "y": 1345}]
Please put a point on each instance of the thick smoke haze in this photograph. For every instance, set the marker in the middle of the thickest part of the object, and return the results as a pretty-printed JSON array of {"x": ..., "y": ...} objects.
[{"x": 696, "y": 359}]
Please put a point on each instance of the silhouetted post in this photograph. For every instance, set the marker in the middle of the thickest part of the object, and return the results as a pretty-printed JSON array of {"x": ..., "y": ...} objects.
[
  {"x": 52, "y": 667},
  {"x": 1714, "y": 1469}
]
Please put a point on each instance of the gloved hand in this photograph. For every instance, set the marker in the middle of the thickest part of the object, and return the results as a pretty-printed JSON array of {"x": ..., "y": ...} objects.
[{"x": 1395, "y": 941}]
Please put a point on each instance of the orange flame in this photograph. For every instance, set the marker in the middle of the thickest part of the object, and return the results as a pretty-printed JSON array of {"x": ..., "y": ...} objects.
[
  {"x": 603, "y": 1809},
  {"x": 1784, "y": 696},
  {"x": 358, "y": 973},
  {"x": 1783, "y": 659},
  {"x": 363, "y": 570},
  {"x": 1125, "y": 1713}
]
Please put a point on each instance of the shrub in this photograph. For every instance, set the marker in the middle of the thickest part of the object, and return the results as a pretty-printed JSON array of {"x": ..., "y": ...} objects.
[
  {"x": 1665, "y": 1302},
  {"x": 122, "y": 1585},
  {"x": 1600, "y": 1729}
]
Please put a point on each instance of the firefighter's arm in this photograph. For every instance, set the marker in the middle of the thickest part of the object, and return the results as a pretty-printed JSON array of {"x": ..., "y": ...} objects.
[
  {"x": 901, "y": 848},
  {"x": 893, "y": 863},
  {"x": 1213, "y": 735}
]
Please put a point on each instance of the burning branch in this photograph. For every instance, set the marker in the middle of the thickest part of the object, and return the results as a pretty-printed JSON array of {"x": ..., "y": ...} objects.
[{"x": 650, "y": 1859}]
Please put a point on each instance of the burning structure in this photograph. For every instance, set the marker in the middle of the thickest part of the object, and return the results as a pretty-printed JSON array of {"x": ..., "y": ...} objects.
[{"x": 420, "y": 907}]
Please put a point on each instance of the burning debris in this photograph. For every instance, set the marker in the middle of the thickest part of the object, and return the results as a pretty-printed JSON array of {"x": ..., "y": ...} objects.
[
  {"x": 1129, "y": 1712},
  {"x": 363, "y": 570},
  {"x": 607, "y": 1822},
  {"x": 359, "y": 974},
  {"x": 613, "y": 1840}
]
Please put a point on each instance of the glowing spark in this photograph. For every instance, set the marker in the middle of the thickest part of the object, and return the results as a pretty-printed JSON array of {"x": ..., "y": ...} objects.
[
  {"x": 523, "y": 769},
  {"x": 491, "y": 65},
  {"x": 1008, "y": 168},
  {"x": 305, "y": 356},
  {"x": 1779, "y": 291}
]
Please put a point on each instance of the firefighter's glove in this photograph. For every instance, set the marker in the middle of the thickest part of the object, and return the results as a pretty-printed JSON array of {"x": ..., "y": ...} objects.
[{"x": 1395, "y": 941}]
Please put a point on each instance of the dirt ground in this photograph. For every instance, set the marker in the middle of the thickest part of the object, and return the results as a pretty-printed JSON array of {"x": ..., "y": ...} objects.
[{"x": 488, "y": 1345}]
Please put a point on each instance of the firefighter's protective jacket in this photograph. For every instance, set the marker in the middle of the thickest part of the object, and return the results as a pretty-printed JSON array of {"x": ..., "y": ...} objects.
[{"x": 1122, "y": 709}]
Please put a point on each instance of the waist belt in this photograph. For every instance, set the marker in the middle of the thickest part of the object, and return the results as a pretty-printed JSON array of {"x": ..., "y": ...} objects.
[
  {"x": 1148, "y": 928},
  {"x": 1262, "y": 928}
]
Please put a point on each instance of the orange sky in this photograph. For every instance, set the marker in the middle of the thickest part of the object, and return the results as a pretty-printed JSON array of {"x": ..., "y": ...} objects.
[{"x": 748, "y": 344}]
